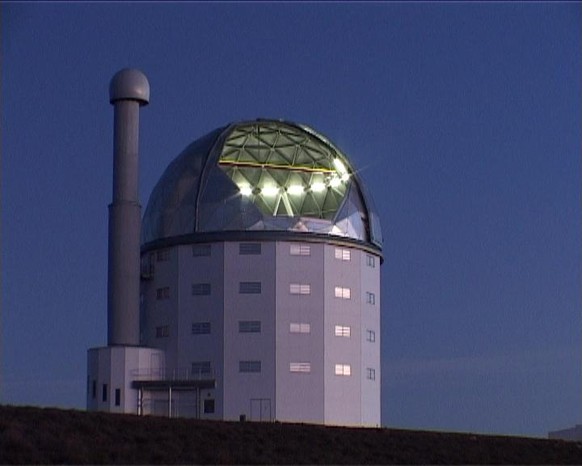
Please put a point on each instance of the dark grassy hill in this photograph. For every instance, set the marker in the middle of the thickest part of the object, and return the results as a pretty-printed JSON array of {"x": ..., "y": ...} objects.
[{"x": 51, "y": 436}]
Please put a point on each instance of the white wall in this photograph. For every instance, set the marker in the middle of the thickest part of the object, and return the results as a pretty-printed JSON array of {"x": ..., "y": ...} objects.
[
  {"x": 241, "y": 388},
  {"x": 342, "y": 393},
  {"x": 371, "y": 411},
  {"x": 196, "y": 309},
  {"x": 300, "y": 395},
  {"x": 161, "y": 312}
]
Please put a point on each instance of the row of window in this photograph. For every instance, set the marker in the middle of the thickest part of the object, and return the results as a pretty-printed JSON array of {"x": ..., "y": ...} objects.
[
  {"x": 105, "y": 393},
  {"x": 345, "y": 331},
  {"x": 245, "y": 249},
  {"x": 205, "y": 289},
  {"x": 254, "y": 326},
  {"x": 203, "y": 368}
]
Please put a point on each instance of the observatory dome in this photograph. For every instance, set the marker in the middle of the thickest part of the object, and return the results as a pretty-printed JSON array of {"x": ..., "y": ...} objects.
[{"x": 269, "y": 176}]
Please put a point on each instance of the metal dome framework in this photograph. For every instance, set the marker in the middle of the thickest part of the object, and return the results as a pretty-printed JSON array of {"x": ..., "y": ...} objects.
[
  {"x": 261, "y": 176},
  {"x": 285, "y": 171}
]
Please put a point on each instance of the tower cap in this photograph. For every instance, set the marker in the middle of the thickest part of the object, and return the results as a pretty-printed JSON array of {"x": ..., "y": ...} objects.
[{"x": 129, "y": 84}]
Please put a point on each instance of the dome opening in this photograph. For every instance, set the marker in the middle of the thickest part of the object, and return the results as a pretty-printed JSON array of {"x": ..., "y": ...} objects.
[{"x": 262, "y": 175}]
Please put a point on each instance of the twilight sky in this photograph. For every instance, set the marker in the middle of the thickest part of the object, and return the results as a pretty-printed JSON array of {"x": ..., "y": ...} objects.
[{"x": 463, "y": 119}]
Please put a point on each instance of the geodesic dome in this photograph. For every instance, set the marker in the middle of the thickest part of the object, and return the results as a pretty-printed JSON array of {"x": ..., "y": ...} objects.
[{"x": 263, "y": 175}]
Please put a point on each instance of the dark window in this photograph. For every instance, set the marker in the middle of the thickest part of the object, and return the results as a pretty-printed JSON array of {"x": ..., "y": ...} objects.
[
  {"x": 200, "y": 328},
  {"x": 163, "y": 331},
  {"x": 370, "y": 261},
  {"x": 200, "y": 250},
  {"x": 200, "y": 289},
  {"x": 245, "y": 249},
  {"x": 163, "y": 293},
  {"x": 117, "y": 397},
  {"x": 94, "y": 390},
  {"x": 371, "y": 335},
  {"x": 249, "y": 326},
  {"x": 249, "y": 366},
  {"x": 200, "y": 368},
  {"x": 163, "y": 255},
  {"x": 371, "y": 374},
  {"x": 249, "y": 288},
  {"x": 104, "y": 394},
  {"x": 209, "y": 406}
]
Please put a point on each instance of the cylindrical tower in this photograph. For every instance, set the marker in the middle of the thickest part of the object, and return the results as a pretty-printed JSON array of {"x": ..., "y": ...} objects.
[
  {"x": 129, "y": 89},
  {"x": 263, "y": 253}
]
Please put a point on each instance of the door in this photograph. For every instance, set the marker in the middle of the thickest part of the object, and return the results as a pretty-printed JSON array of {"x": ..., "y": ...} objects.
[{"x": 261, "y": 409}]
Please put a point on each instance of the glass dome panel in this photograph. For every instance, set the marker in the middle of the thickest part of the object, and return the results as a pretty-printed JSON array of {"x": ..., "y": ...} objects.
[{"x": 263, "y": 175}]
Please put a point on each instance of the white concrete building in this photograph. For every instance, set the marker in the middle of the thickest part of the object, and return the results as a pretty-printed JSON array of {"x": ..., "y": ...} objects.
[
  {"x": 573, "y": 434},
  {"x": 260, "y": 287}
]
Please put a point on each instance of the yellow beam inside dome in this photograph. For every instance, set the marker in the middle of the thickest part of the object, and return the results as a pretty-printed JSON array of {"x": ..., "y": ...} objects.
[{"x": 273, "y": 166}]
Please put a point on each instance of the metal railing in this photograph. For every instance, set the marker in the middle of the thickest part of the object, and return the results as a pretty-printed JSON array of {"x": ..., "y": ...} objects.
[
  {"x": 163, "y": 374},
  {"x": 175, "y": 408}
]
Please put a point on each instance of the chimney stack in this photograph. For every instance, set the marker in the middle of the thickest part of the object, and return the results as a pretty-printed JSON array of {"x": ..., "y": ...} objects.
[{"x": 128, "y": 91}]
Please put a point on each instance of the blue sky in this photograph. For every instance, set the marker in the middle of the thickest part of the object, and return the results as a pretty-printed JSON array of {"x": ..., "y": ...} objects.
[{"x": 463, "y": 119}]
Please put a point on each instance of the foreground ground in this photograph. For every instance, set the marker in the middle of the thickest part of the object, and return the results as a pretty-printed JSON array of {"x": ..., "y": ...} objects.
[{"x": 51, "y": 436}]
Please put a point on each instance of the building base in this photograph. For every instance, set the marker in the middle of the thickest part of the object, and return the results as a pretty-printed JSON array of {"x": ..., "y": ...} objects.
[{"x": 111, "y": 372}]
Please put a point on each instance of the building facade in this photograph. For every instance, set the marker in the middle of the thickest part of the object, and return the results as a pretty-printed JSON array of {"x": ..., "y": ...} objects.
[
  {"x": 289, "y": 330},
  {"x": 260, "y": 284}
]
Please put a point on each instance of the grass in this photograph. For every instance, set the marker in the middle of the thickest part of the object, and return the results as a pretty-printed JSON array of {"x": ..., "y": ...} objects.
[{"x": 52, "y": 436}]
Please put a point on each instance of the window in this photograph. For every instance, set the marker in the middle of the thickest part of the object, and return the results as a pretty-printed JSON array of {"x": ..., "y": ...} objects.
[
  {"x": 343, "y": 254},
  {"x": 104, "y": 392},
  {"x": 200, "y": 368},
  {"x": 200, "y": 289},
  {"x": 249, "y": 287},
  {"x": 343, "y": 293},
  {"x": 300, "y": 250},
  {"x": 370, "y": 261},
  {"x": 370, "y": 298},
  {"x": 370, "y": 335},
  {"x": 94, "y": 389},
  {"x": 200, "y": 250},
  {"x": 117, "y": 397},
  {"x": 146, "y": 265},
  {"x": 342, "y": 331},
  {"x": 343, "y": 369},
  {"x": 163, "y": 331},
  {"x": 249, "y": 366},
  {"x": 209, "y": 406},
  {"x": 299, "y": 328},
  {"x": 300, "y": 367},
  {"x": 249, "y": 326},
  {"x": 370, "y": 373},
  {"x": 163, "y": 293},
  {"x": 247, "y": 249},
  {"x": 200, "y": 328},
  {"x": 163, "y": 255},
  {"x": 296, "y": 288}
]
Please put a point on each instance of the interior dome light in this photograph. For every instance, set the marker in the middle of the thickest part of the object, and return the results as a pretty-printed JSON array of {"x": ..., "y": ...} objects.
[
  {"x": 341, "y": 168},
  {"x": 335, "y": 182},
  {"x": 245, "y": 190},
  {"x": 318, "y": 187},
  {"x": 270, "y": 191},
  {"x": 295, "y": 189}
]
